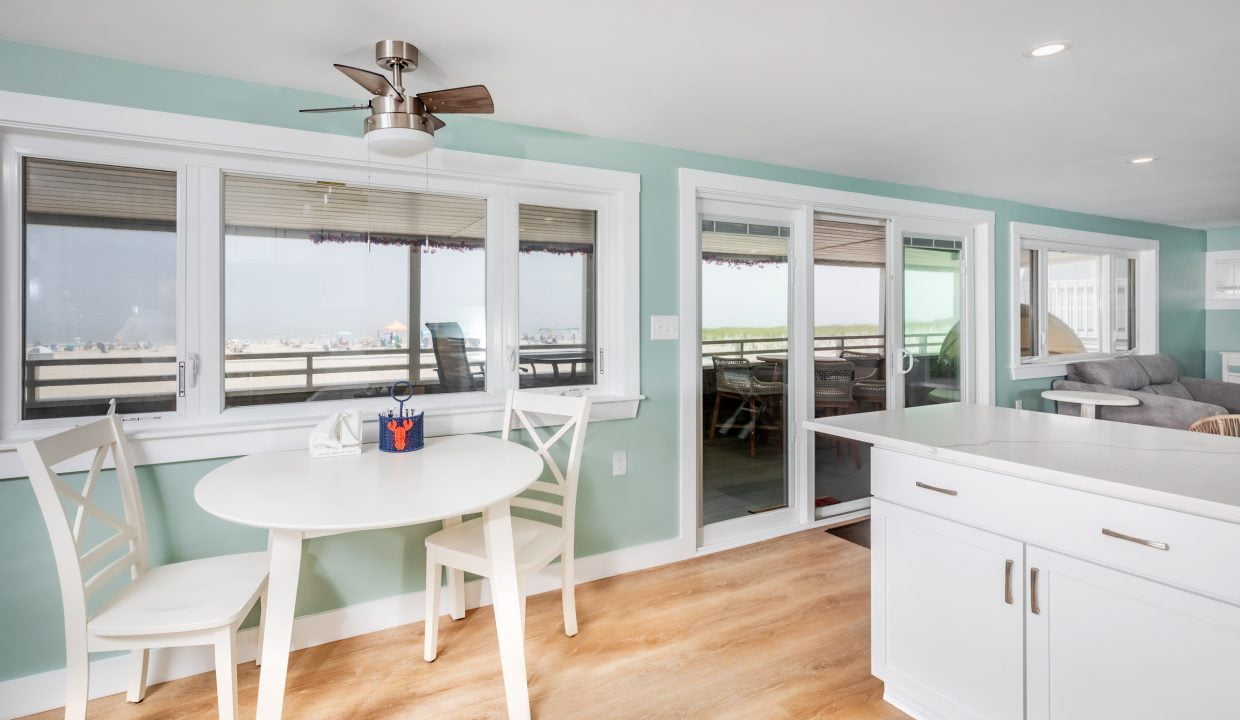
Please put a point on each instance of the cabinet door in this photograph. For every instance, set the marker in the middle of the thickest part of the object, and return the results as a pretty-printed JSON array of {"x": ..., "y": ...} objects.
[
  {"x": 948, "y": 632},
  {"x": 1106, "y": 644}
]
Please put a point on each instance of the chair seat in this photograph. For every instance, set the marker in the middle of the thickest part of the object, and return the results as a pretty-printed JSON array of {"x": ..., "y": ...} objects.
[
  {"x": 184, "y": 597},
  {"x": 537, "y": 543}
]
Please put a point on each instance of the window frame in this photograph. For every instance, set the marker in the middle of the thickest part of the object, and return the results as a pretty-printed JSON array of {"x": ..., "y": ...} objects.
[
  {"x": 1109, "y": 247},
  {"x": 1213, "y": 300},
  {"x": 201, "y": 151}
]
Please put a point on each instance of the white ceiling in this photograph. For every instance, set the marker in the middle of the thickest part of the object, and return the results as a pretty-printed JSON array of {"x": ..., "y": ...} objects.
[{"x": 936, "y": 94}]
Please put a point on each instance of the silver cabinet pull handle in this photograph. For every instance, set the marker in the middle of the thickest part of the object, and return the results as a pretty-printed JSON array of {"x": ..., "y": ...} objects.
[
  {"x": 1034, "y": 607},
  {"x": 1007, "y": 581},
  {"x": 945, "y": 491},
  {"x": 1140, "y": 541}
]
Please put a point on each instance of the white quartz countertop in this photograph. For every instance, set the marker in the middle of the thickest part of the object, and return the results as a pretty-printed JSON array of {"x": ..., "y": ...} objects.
[{"x": 1174, "y": 469}]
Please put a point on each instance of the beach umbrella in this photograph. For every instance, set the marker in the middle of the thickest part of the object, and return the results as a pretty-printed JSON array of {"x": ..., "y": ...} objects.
[{"x": 396, "y": 327}]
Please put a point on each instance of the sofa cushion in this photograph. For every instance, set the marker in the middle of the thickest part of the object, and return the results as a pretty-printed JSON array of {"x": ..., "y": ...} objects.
[
  {"x": 1160, "y": 368},
  {"x": 1124, "y": 373},
  {"x": 1171, "y": 389}
]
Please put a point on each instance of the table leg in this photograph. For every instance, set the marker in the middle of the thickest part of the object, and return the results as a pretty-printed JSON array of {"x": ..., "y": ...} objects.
[
  {"x": 1089, "y": 410},
  {"x": 505, "y": 594},
  {"x": 285, "y": 561}
]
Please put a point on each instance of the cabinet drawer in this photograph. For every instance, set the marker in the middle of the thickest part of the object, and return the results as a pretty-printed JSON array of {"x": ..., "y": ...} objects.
[{"x": 1184, "y": 550}]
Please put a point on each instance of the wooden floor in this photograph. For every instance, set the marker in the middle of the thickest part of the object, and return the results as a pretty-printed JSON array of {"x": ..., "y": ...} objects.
[{"x": 775, "y": 630}]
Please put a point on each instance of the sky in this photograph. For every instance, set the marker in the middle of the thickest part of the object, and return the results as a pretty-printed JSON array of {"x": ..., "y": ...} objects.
[
  {"x": 756, "y": 296},
  {"x": 98, "y": 284},
  {"x": 101, "y": 285}
]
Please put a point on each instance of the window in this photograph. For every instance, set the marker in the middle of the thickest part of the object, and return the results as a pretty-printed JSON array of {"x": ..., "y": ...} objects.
[
  {"x": 100, "y": 310},
  {"x": 230, "y": 289},
  {"x": 1082, "y": 294},
  {"x": 1223, "y": 280},
  {"x": 336, "y": 292},
  {"x": 558, "y": 343}
]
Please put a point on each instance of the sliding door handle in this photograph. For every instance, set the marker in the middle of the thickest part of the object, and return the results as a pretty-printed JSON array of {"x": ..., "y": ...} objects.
[
  {"x": 906, "y": 362},
  {"x": 1034, "y": 607},
  {"x": 1007, "y": 580}
]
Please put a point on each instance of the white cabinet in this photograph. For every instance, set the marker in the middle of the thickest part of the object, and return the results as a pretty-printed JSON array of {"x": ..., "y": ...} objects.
[
  {"x": 1134, "y": 614},
  {"x": 951, "y": 634},
  {"x": 1105, "y": 644}
]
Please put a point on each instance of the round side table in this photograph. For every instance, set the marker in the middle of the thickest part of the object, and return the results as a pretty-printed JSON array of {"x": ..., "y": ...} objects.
[{"x": 1089, "y": 401}]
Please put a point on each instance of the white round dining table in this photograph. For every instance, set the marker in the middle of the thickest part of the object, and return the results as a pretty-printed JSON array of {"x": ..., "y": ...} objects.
[{"x": 297, "y": 497}]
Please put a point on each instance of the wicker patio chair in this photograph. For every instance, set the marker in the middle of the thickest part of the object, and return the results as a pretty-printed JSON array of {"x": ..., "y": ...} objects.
[
  {"x": 869, "y": 387},
  {"x": 1228, "y": 425},
  {"x": 868, "y": 365},
  {"x": 833, "y": 390},
  {"x": 833, "y": 386},
  {"x": 735, "y": 378}
]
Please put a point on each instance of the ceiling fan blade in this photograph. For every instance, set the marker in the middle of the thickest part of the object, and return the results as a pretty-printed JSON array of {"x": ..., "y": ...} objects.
[
  {"x": 335, "y": 109},
  {"x": 470, "y": 99},
  {"x": 374, "y": 82},
  {"x": 436, "y": 122}
]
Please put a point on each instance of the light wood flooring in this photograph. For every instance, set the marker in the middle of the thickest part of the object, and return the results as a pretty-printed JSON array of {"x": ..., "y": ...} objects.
[{"x": 776, "y": 630}]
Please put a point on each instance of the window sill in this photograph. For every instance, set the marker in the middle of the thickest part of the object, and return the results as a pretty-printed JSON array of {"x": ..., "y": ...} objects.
[
  {"x": 180, "y": 443},
  {"x": 1057, "y": 367}
]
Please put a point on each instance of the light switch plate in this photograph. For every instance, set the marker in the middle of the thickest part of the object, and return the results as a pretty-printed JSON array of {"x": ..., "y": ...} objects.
[{"x": 664, "y": 327}]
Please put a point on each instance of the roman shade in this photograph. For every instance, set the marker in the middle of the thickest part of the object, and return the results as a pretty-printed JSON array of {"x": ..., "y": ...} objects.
[
  {"x": 82, "y": 194},
  {"x": 860, "y": 243}
]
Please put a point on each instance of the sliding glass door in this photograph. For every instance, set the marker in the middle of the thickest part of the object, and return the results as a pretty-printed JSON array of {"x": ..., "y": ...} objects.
[
  {"x": 744, "y": 389},
  {"x": 889, "y": 297},
  {"x": 810, "y": 313},
  {"x": 931, "y": 358},
  {"x": 850, "y": 352}
]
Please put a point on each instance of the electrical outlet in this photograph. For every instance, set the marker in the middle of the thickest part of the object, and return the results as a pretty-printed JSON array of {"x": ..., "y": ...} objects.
[
  {"x": 664, "y": 327},
  {"x": 619, "y": 463}
]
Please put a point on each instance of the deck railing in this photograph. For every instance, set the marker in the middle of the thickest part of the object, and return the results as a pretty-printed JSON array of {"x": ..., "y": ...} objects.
[
  {"x": 920, "y": 344},
  {"x": 301, "y": 373},
  {"x": 68, "y": 381}
]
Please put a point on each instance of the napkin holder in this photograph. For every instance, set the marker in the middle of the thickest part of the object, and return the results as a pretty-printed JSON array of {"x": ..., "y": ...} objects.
[{"x": 338, "y": 434}]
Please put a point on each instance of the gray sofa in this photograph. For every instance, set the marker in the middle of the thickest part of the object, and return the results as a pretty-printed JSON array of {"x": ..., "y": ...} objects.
[{"x": 1167, "y": 399}]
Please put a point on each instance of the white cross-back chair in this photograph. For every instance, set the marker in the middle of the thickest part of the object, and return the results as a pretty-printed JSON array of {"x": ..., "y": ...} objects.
[
  {"x": 461, "y": 547},
  {"x": 199, "y": 602}
]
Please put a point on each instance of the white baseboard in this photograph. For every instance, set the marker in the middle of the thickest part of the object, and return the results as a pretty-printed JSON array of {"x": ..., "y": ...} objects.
[
  {"x": 910, "y": 703},
  {"x": 108, "y": 676}
]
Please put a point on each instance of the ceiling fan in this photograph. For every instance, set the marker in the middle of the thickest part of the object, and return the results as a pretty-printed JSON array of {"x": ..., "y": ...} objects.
[{"x": 400, "y": 124}]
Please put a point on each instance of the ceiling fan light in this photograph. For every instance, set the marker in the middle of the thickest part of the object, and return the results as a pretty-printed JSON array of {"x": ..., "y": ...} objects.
[{"x": 398, "y": 142}]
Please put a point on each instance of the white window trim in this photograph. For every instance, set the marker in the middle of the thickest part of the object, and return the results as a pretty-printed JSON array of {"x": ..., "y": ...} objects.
[
  {"x": 1212, "y": 301},
  {"x": 199, "y": 148},
  {"x": 1144, "y": 250}
]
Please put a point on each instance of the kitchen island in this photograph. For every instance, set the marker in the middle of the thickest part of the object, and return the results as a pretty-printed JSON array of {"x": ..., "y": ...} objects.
[{"x": 1030, "y": 565}]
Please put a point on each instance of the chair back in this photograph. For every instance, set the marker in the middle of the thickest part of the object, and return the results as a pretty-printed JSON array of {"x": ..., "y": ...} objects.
[
  {"x": 1228, "y": 425},
  {"x": 527, "y": 409},
  {"x": 85, "y": 567},
  {"x": 867, "y": 366},
  {"x": 733, "y": 374},
  {"x": 833, "y": 383},
  {"x": 451, "y": 359}
]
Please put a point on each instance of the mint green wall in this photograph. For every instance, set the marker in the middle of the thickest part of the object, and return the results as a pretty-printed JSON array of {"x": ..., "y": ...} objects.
[
  {"x": 1222, "y": 326},
  {"x": 614, "y": 513}
]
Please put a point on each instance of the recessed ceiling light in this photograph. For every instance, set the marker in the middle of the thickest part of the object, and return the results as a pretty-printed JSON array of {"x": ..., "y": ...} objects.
[
  {"x": 1048, "y": 49},
  {"x": 1142, "y": 160}
]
